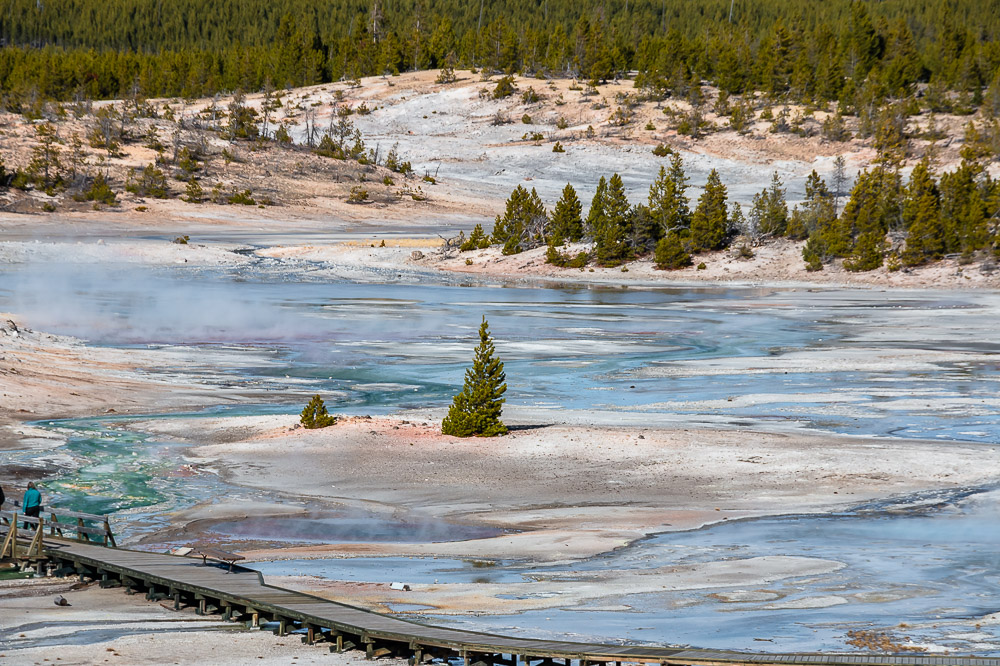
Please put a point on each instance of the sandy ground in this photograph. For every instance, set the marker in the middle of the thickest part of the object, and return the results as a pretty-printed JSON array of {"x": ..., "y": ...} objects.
[
  {"x": 110, "y": 627},
  {"x": 586, "y": 488}
]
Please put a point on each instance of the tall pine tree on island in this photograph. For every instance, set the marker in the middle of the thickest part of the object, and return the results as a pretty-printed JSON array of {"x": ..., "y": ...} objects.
[{"x": 475, "y": 412}]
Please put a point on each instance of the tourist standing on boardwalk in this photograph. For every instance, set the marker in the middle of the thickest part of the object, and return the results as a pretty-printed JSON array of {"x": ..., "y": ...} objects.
[{"x": 32, "y": 501}]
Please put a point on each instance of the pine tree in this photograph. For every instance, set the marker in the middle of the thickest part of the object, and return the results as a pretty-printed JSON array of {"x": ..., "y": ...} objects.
[
  {"x": 812, "y": 253},
  {"x": 671, "y": 253},
  {"x": 610, "y": 246},
  {"x": 478, "y": 240},
  {"x": 524, "y": 223},
  {"x": 315, "y": 415},
  {"x": 595, "y": 216},
  {"x": 868, "y": 253},
  {"x": 193, "y": 193},
  {"x": 771, "y": 209},
  {"x": 963, "y": 208},
  {"x": 475, "y": 411},
  {"x": 45, "y": 167},
  {"x": 668, "y": 204},
  {"x": 922, "y": 217},
  {"x": 710, "y": 221},
  {"x": 566, "y": 220},
  {"x": 816, "y": 212}
]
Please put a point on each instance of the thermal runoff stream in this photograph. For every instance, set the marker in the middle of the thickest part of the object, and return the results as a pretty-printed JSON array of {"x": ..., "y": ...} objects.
[{"x": 920, "y": 365}]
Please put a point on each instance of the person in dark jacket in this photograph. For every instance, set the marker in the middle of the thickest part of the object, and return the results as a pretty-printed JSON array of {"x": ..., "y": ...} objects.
[{"x": 32, "y": 504}]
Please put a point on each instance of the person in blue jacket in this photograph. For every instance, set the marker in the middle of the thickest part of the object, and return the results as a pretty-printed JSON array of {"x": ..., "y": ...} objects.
[{"x": 32, "y": 504}]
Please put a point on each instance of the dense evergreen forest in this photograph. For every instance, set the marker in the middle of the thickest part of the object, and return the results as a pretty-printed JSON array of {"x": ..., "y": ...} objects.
[{"x": 802, "y": 50}]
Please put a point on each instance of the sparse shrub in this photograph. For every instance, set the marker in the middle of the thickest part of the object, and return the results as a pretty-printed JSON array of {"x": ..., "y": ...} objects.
[
  {"x": 504, "y": 88},
  {"x": 193, "y": 192},
  {"x": 387, "y": 180},
  {"x": 394, "y": 163},
  {"x": 893, "y": 263},
  {"x": 834, "y": 128},
  {"x": 181, "y": 240},
  {"x": 315, "y": 415},
  {"x": 358, "y": 195},
  {"x": 702, "y": 266},
  {"x": 49, "y": 207},
  {"x": 562, "y": 123},
  {"x": 477, "y": 240},
  {"x": 141, "y": 209},
  {"x": 282, "y": 136},
  {"x": 650, "y": 127},
  {"x": 446, "y": 75},
  {"x": 429, "y": 179},
  {"x": 529, "y": 96},
  {"x": 663, "y": 150},
  {"x": 150, "y": 183},
  {"x": 558, "y": 148},
  {"x": 244, "y": 198},
  {"x": 187, "y": 162},
  {"x": 468, "y": 262},
  {"x": 98, "y": 192},
  {"x": 621, "y": 117},
  {"x": 526, "y": 119}
]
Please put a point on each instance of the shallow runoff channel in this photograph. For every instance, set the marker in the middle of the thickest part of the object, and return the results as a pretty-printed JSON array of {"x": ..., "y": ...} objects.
[{"x": 904, "y": 364}]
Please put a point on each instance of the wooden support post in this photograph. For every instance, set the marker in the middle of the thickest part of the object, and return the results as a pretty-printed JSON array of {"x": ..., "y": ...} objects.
[
  {"x": 11, "y": 541},
  {"x": 418, "y": 654},
  {"x": 80, "y": 536},
  {"x": 35, "y": 549},
  {"x": 177, "y": 600}
]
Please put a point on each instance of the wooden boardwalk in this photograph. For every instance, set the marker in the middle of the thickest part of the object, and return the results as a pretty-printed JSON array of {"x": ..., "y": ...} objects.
[{"x": 244, "y": 595}]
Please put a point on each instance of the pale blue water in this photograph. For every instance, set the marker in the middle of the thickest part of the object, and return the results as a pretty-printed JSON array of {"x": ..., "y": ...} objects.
[
  {"x": 931, "y": 563},
  {"x": 376, "y": 346}
]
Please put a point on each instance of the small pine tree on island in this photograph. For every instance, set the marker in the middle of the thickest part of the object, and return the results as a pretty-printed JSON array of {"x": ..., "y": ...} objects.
[
  {"x": 315, "y": 414},
  {"x": 475, "y": 412}
]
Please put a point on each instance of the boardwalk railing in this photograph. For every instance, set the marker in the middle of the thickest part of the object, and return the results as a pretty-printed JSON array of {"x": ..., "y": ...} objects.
[{"x": 73, "y": 522}]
